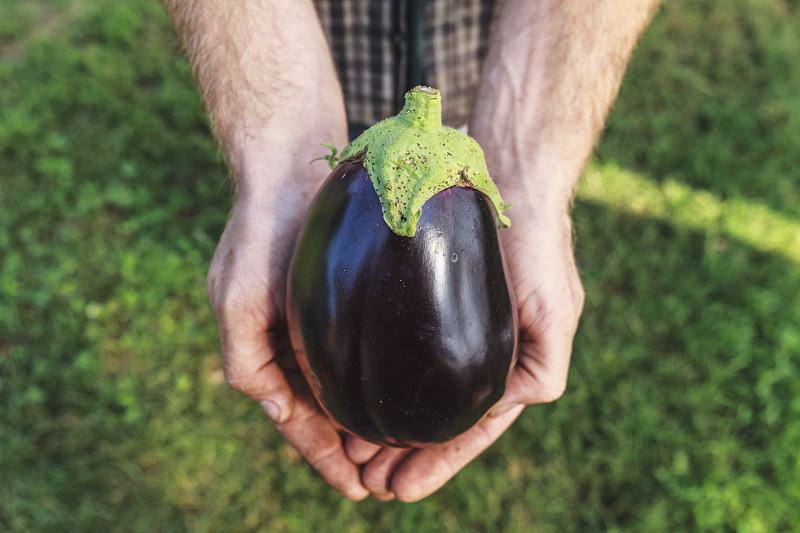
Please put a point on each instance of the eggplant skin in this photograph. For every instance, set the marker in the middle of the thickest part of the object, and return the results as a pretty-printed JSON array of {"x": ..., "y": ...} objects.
[{"x": 406, "y": 341}]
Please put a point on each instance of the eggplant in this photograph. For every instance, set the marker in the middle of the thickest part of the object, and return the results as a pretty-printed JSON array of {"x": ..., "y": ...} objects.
[{"x": 405, "y": 335}]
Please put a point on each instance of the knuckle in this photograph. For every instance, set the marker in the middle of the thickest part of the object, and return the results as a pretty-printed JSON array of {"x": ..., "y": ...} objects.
[
  {"x": 239, "y": 381},
  {"x": 554, "y": 391},
  {"x": 579, "y": 298},
  {"x": 211, "y": 286},
  {"x": 320, "y": 454}
]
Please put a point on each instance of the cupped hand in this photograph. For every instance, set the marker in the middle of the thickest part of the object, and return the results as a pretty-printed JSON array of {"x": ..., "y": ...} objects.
[
  {"x": 550, "y": 297},
  {"x": 247, "y": 289}
]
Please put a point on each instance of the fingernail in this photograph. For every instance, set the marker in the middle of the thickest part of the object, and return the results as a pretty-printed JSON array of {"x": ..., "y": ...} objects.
[
  {"x": 502, "y": 409},
  {"x": 384, "y": 497},
  {"x": 272, "y": 410}
]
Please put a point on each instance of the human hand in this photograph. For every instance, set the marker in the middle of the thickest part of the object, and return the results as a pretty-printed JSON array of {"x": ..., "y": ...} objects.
[
  {"x": 247, "y": 289},
  {"x": 550, "y": 300}
]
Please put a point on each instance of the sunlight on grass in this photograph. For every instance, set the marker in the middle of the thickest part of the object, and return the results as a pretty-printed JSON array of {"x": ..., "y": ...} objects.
[{"x": 747, "y": 221}]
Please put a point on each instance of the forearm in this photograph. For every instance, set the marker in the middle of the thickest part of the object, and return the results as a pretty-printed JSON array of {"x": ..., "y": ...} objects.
[
  {"x": 552, "y": 73},
  {"x": 266, "y": 75}
]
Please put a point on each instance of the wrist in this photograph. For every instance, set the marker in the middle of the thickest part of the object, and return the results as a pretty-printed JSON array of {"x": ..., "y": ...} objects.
[
  {"x": 534, "y": 170},
  {"x": 276, "y": 157},
  {"x": 539, "y": 188},
  {"x": 273, "y": 164}
]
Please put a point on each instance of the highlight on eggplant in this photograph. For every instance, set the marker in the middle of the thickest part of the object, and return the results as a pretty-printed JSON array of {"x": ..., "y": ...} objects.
[{"x": 400, "y": 310}]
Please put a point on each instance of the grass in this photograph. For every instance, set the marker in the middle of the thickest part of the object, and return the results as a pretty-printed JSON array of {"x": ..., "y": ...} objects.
[{"x": 682, "y": 409}]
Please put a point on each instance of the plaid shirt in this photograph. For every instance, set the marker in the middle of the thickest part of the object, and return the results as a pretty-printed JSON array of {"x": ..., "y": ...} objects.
[{"x": 372, "y": 42}]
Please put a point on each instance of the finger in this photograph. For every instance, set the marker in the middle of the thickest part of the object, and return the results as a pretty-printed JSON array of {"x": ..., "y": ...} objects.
[
  {"x": 377, "y": 473},
  {"x": 248, "y": 352},
  {"x": 428, "y": 469},
  {"x": 359, "y": 450},
  {"x": 313, "y": 435}
]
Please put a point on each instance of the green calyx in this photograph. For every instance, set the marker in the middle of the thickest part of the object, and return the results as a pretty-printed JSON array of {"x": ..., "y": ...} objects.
[{"x": 412, "y": 156}]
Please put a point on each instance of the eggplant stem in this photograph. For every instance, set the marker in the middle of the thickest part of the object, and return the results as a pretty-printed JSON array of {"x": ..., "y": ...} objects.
[{"x": 423, "y": 108}]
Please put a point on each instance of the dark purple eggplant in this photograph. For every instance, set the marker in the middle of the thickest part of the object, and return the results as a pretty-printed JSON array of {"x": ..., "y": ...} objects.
[{"x": 404, "y": 340}]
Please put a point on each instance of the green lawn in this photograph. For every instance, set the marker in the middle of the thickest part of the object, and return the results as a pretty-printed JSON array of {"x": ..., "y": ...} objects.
[{"x": 682, "y": 411}]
